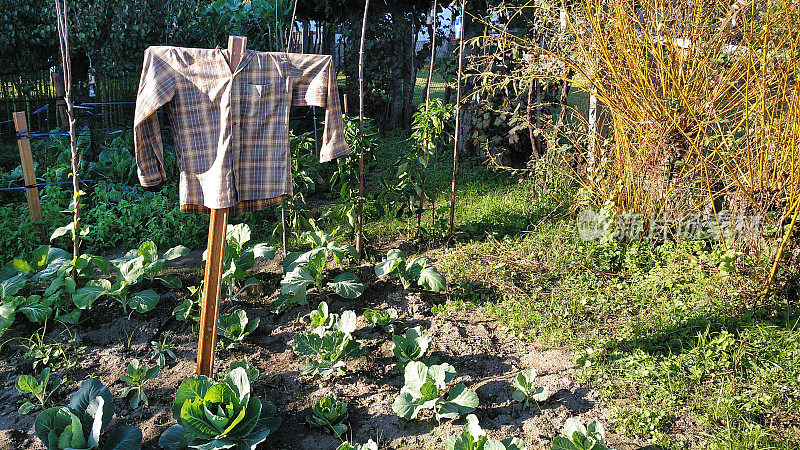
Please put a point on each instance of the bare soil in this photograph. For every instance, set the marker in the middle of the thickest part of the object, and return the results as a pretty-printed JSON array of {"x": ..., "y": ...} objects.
[{"x": 484, "y": 355}]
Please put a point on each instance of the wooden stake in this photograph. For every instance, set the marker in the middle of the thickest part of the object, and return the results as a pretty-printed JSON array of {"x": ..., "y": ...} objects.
[
  {"x": 458, "y": 122},
  {"x": 28, "y": 172},
  {"x": 425, "y": 142},
  {"x": 215, "y": 256},
  {"x": 66, "y": 66},
  {"x": 360, "y": 220}
]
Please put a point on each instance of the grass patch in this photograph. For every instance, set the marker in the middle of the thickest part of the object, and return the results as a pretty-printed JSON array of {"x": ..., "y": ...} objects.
[{"x": 655, "y": 327}]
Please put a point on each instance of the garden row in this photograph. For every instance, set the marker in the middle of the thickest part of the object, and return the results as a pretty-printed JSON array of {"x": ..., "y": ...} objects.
[{"x": 221, "y": 412}]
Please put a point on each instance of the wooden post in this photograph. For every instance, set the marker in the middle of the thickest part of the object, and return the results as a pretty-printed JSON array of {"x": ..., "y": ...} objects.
[
  {"x": 28, "y": 172},
  {"x": 458, "y": 122},
  {"x": 61, "y": 105},
  {"x": 217, "y": 228},
  {"x": 360, "y": 219}
]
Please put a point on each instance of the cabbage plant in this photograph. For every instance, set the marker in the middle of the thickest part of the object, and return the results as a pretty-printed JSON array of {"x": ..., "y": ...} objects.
[
  {"x": 579, "y": 437},
  {"x": 381, "y": 318},
  {"x": 526, "y": 391},
  {"x": 426, "y": 388},
  {"x": 411, "y": 271},
  {"x": 329, "y": 412},
  {"x": 472, "y": 437},
  {"x": 79, "y": 425},
  {"x": 219, "y": 415},
  {"x": 411, "y": 347}
]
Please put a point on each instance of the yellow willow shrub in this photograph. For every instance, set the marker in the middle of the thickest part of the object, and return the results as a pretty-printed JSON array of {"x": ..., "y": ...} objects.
[
  {"x": 704, "y": 106},
  {"x": 702, "y": 97}
]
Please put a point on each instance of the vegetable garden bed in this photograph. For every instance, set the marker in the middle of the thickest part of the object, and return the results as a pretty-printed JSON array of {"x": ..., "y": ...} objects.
[{"x": 485, "y": 358}]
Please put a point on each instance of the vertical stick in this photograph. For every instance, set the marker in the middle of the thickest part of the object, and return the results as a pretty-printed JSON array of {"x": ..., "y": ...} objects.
[
  {"x": 425, "y": 141},
  {"x": 217, "y": 227},
  {"x": 344, "y": 101},
  {"x": 284, "y": 224},
  {"x": 66, "y": 66},
  {"x": 283, "y": 232},
  {"x": 24, "y": 143},
  {"x": 215, "y": 256},
  {"x": 458, "y": 121},
  {"x": 360, "y": 220}
]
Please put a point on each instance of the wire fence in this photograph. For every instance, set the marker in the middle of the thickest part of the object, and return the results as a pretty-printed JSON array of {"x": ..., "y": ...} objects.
[{"x": 36, "y": 95}]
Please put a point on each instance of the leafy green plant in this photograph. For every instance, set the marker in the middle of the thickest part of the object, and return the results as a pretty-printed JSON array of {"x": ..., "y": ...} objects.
[
  {"x": 329, "y": 412},
  {"x": 219, "y": 415},
  {"x": 411, "y": 347},
  {"x": 233, "y": 328},
  {"x": 163, "y": 351},
  {"x": 410, "y": 272},
  {"x": 325, "y": 354},
  {"x": 61, "y": 354},
  {"x": 45, "y": 262},
  {"x": 240, "y": 255},
  {"x": 526, "y": 391},
  {"x": 472, "y": 437},
  {"x": 579, "y": 437},
  {"x": 428, "y": 134},
  {"x": 426, "y": 388},
  {"x": 323, "y": 321},
  {"x": 79, "y": 425},
  {"x": 370, "y": 445},
  {"x": 36, "y": 388},
  {"x": 304, "y": 269},
  {"x": 190, "y": 307},
  {"x": 381, "y": 318},
  {"x": 136, "y": 265},
  {"x": 136, "y": 375},
  {"x": 253, "y": 374}
]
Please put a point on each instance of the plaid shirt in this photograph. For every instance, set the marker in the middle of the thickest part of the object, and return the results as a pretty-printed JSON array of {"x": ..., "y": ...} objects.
[{"x": 231, "y": 129}]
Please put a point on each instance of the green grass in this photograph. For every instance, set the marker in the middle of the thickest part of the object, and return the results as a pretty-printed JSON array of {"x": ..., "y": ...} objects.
[{"x": 656, "y": 328}]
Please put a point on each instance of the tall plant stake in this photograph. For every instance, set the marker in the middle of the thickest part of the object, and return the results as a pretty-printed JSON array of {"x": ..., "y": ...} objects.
[
  {"x": 457, "y": 136},
  {"x": 284, "y": 235},
  {"x": 425, "y": 142},
  {"x": 360, "y": 219},
  {"x": 63, "y": 41}
]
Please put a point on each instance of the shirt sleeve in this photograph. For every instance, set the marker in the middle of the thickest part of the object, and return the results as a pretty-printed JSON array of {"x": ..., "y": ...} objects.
[
  {"x": 156, "y": 88},
  {"x": 314, "y": 84}
]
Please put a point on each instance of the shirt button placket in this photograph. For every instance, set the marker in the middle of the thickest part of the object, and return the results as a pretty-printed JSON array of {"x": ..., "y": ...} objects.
[{"x": 235, "y": 122}]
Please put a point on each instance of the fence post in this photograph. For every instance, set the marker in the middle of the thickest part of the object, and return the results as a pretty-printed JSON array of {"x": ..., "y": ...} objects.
[{"x": 29, "y": 174}]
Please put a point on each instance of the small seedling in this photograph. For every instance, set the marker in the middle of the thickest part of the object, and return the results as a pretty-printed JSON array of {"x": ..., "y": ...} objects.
[
  {"x": 579, "y": 437},
  {"x": 323, "y": 321},
  {"x": 416, "y": 271},
  {"x": 424, "y": 388},
  {"x": 235, "y": 327},
  {"x": 370, "y": 445},
  {"x": 190, "y": 307},
  {"x": 381, "y": 318},
  {"x": 164, "y": 351},
  {"x": 329, "y": 412},
  {"x": 325, "y": 354},
  {"x": 472, "y": 437},
  {"x": 526, "y": 391},
  {"x": 413, "y": 347},
  {"x": 36, "y": 389},
  {"x": 136, "y": 375},
  {"x": 252, "y": 371}
]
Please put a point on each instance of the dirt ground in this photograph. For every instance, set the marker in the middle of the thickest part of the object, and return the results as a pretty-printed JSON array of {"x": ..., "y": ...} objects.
[{"x": 485, "y": 357}]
